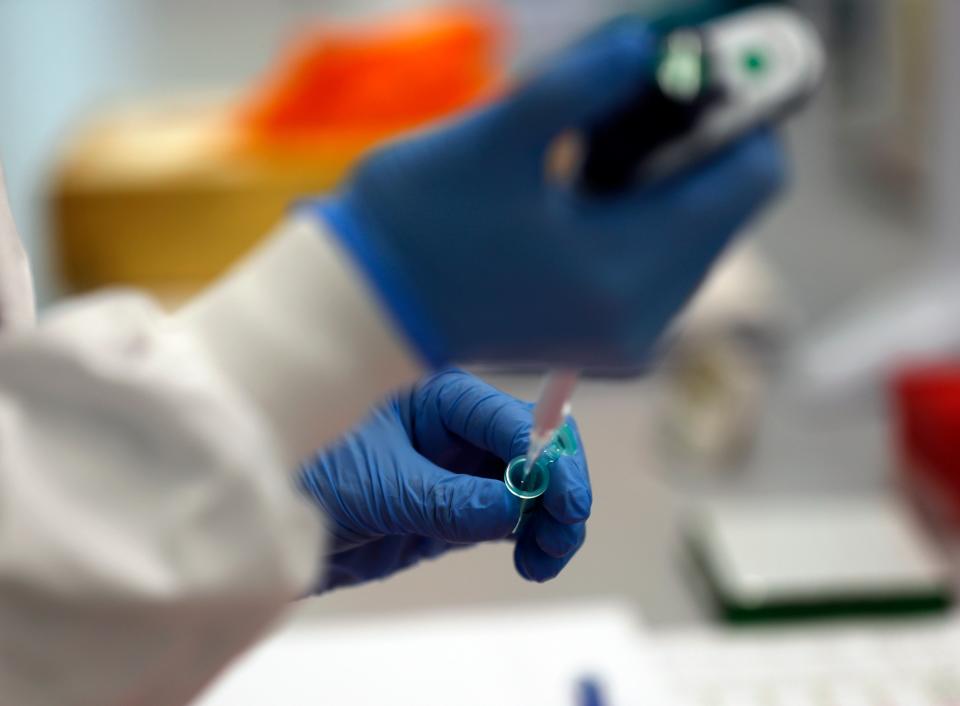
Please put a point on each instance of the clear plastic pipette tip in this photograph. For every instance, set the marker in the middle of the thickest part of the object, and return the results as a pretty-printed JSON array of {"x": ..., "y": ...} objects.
[
  {"x": 552, "y": 408},
  {"x": 538, "y": 442}
]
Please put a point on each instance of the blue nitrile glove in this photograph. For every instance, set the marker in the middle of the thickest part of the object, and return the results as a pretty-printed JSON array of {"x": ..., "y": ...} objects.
[
  {"x": 424, "y": 474},
  {"x": 478, "y": 257}
]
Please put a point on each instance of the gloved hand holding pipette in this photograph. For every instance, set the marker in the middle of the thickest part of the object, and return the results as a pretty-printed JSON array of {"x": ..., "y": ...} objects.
[
  {"x": 478, "y": 257},
  {"x": 448, "y": 246},
  {"x": 424, "y": 474}
]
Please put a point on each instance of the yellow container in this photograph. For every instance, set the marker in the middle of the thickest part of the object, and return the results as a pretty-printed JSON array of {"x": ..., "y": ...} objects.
[{"x": 168, "y": 194}]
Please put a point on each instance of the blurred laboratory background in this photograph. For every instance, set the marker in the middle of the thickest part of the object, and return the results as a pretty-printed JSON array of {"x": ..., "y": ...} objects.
[{"x": 793, "y": 455}]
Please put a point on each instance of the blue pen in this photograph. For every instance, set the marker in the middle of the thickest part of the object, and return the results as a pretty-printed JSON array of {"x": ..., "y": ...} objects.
[{"x": 589, "y": 692}]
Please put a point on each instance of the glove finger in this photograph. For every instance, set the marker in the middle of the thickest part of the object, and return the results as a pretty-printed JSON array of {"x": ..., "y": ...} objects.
[
  {"x": 710, "y": 200},
  {"x": 483, "y": 415},
  {"x": 589, "y": 80},
  {"x": 712, "y": 220},
  {"x": 728, "y": 188},
  {"x": 459, "y": 508},
  {"x": 533, "y": 564},
  {"x": 568, "y": 498},
  {"x": 555, "y": 538}
]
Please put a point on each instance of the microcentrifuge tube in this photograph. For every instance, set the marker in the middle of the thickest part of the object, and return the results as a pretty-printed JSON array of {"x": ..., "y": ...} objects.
[{"x": 529, "y": 486}]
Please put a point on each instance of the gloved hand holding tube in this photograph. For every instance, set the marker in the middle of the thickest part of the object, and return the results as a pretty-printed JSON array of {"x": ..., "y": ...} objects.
[
  {"x": 424, "y": 474},
  {"x": 478, "y": 257},
  {"x": 473, "y": 255},
  {"x": 115, "y": 413}
]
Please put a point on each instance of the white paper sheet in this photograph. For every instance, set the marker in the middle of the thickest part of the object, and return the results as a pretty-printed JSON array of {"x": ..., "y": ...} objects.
[{"x": 485, "y": 657}]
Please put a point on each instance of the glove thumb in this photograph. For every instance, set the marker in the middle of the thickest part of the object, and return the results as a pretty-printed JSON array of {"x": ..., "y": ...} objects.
[{"x": 463, "y": 509}]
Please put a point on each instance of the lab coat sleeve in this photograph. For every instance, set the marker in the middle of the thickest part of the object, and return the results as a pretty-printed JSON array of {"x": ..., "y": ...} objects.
[
  {"x": 150, "y": 528},
  {"x": 297, "y": 329}
]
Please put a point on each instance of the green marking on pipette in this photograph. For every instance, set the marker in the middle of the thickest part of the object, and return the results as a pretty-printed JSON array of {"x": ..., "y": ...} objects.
[{"x": 682, "y": 70}]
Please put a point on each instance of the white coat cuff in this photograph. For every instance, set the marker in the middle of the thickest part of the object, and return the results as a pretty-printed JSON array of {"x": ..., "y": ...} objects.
[{"x": 295, "y": 328}]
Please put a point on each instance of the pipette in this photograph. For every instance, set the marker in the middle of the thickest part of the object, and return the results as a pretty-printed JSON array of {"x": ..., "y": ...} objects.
[
  {"x": 549, "y": 413},
  {"x": 714, "y": 82}
]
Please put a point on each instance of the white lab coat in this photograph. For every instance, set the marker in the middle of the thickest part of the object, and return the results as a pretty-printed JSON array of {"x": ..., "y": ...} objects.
[{"x": 150, "y": 529}]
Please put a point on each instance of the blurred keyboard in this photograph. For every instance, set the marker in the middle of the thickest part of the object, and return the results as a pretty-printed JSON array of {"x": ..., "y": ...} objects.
[{"x": 907, "y": 664}]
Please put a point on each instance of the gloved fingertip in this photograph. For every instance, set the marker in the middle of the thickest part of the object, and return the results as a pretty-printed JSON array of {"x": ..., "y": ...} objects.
[
  {"x": 558, "y": 540},
  {"x": 580, "y": 505},
  {"x": 570, "y": 508},
  {"x": 569, "y": 498},
  {"x": 750, "y": 171},
  {"x": 714, "y": 198},
  {"x": 533, "y": 563},
  {"x": 519, "y": 563}
]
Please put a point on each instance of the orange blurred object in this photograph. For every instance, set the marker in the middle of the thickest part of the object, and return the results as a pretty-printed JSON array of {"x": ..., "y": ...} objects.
[
  {"x": 168, "y": 193},
  {"x": 362, "y": 83}
]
